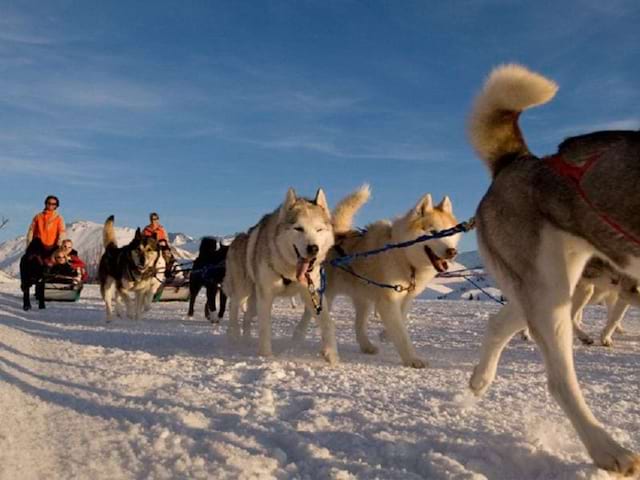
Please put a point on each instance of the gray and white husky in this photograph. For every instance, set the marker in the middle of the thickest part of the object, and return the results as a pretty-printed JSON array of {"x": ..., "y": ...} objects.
[
  {"x": 129, "y": 269},
  {"x": 281, "y": 256},
  {"x": 539, "y": 223},
  {"x": 601, "y": 283},
  {"x": 411, "y": 269}
]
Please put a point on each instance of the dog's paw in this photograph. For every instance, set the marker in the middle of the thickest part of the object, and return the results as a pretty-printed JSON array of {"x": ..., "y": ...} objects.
[
  {"x": 416, "y": 363},
  {"x": 479, "y": 383},
  {"x": 368, "y": 348},
  {"x": 331, "y": 356},
  {"x": 616, "y": 458},
  {"x": 607, "y": 341}
]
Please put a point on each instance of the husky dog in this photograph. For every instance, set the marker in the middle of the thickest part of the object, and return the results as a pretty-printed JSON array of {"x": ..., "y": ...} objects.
[
  {"x": 540, "y": 222},
  {"x": 281, "y": 256},
  {"x": 208, "y": 271},
  {"x": 128, "y": 269},
  {"x": 601, "y": 283},
  {"x": 411, "y": 269}
]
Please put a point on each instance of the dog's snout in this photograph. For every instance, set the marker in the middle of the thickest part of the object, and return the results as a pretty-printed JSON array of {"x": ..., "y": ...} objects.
[
  {"x": 451, "y": 253},
  {"x": 312, "y": 249}
]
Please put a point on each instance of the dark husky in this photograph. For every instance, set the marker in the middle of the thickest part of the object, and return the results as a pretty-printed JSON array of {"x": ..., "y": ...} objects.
[
  {"x": 208, "y": 271},
  {"x": 32, "y": 269},
  {"x": 539, "y": 224},
  {"x": 129, "y": 269}
]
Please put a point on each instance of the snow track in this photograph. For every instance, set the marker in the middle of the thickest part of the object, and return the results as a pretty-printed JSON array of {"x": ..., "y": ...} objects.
[{"x": 169, "y": 397}]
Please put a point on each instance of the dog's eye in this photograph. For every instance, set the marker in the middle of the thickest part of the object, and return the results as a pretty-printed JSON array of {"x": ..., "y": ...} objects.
[
  {"x": 298, "y": 229},
  {"x": 433, "y": 231},
  {"x": 320, "y": 230}
]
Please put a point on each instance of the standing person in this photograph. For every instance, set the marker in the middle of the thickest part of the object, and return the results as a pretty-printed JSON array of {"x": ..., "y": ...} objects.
[
  {"x": 154, "y": 229},
  {"x": 45, "y": 234}
]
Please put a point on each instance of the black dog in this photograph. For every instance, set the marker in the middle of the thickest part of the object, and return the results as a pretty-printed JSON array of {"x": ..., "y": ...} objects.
[
  {"x": 32, "y": 270},
  {"x": 208, "y": 271}
]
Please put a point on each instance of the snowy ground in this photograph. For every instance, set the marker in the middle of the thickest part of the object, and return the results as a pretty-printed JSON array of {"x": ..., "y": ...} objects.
[{"x": 171, "y": 398}]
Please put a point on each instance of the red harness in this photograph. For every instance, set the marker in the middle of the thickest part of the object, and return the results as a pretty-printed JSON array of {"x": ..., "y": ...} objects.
[{"x": 575, "y": 173}]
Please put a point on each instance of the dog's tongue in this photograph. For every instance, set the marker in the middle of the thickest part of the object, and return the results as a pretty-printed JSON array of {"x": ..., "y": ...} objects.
[
  {"x": 301, "y": 269},
  {"x": 442, "y": 265}
]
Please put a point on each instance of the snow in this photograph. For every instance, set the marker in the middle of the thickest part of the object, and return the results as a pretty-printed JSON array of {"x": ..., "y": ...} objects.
[{"x": 169, "y": 397}]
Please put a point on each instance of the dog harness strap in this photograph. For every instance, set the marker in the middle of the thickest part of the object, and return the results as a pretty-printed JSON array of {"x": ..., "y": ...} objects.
[
  {"x": 575, "y": 173},
  {"x": 568, "y": 170}
]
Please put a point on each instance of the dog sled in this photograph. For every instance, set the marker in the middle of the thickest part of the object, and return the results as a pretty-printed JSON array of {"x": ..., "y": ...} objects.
[
  {"x": 59, "y": 288},
  {"x": 176, "y": 287}
]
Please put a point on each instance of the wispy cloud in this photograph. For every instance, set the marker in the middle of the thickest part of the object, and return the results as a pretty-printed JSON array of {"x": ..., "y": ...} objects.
[
  {"x": 373, "y": 149},
  {"x": 578, "y": 129},
  {"x": 111, "y": 93},
  {"x": 38, "y": 167},
  {"x": 20, "y": 29},
  {"x": 91, "y": 174}
]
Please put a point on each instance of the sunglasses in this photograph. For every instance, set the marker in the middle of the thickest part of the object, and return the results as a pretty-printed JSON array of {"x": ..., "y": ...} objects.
[
  {"x": 155, "y": 218},
  {"x": 52, "y": 203}
]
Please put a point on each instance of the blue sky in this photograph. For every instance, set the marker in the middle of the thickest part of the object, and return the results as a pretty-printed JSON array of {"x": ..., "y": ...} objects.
[{"x": 208, "y": 111}]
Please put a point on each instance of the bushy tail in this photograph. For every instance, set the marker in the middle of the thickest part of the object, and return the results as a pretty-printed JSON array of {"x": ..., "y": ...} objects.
[
  {"x": 346, "y": 209},
  {"x": 109, "y": 233},
  {"x": 493, "y": 123}
]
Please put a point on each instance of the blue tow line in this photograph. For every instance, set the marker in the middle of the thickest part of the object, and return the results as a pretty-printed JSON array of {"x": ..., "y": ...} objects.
[{"x": 343, "y": 261}]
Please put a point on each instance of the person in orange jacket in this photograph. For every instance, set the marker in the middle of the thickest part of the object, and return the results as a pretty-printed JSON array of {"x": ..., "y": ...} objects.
[
  {"x": 44, "y": 236},
  {"x": 47, "y": 225},
  {"x": 154, "y": 229}
]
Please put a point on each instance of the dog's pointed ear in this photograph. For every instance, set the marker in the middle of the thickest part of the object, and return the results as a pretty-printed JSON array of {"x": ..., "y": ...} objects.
[
  {"x": 138, "y": 234},
  {"x": 445, "y": 205},
  {"x": 289, "y": 201},
  {"x": 424, "y": 205},
  {"x": 321, "y": 199}
]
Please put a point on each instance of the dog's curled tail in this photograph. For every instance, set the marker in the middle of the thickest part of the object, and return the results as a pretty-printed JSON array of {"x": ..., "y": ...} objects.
[
  {"x": 346, "y": 209},
  {"x": 493, "y": 123},
  {"x": 109, "y": 233}
]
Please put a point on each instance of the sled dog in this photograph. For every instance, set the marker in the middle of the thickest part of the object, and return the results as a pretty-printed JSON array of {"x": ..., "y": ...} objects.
[
  {"x": 281, "y": 256},
  {"x": 208, "y": 271},
  {"x": 539, "y": 223},
  {"x": 601, "y": 283},
  {"x": 411, "y": 269},
  {"x": 129, "y": 269}
]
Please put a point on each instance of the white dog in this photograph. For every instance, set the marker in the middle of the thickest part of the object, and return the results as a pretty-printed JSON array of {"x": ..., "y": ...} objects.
[
  {"x": 281, "y": 256},
  {"x": 408, "y": 269}
]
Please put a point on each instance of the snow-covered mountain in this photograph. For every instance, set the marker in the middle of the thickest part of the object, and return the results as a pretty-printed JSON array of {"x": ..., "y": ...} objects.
[
  {"x": 465, "y": 280},
  {"x": 87, "y": 240}
]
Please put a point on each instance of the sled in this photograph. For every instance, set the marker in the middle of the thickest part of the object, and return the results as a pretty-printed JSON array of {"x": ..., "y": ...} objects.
[
  {"x": 175, "y": 289},
  {"x": 173, "y": 292},
  {"x": 57, "y": 289}
]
